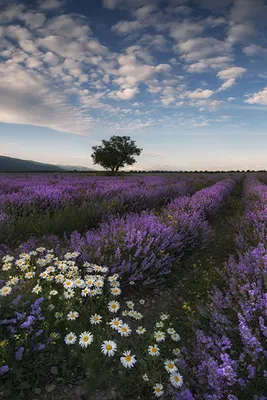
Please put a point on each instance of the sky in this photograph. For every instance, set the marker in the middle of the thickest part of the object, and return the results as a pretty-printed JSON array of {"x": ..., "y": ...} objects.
[{"x": 187, "y": 80}]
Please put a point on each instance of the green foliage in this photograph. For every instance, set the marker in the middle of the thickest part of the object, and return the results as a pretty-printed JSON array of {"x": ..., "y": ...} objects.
[{"x": 115, "y": 153}]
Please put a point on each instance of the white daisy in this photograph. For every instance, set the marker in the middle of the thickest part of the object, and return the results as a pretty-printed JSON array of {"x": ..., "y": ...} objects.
[
  {"x": 140, "y": 330},
  {"x": 59, "y": 278},
  {"x": 124, "y": 330},
  {"x": 53, "y": 292},
  {"x": 145, "y": 377},
  {"x": 158, "y": 390},
  {"x": 6, "y": 267},
  {"x": 68, "y": 294},
  {"x": 99, "y": 283},
  {"x": 159, "y": 324},
  {"x": 79, "y": 283},
  {"x": 176, "y": 352},
  {"x": 13, "y": 281},
  {"x": 115, "y": 323},
  {"x": 29, "y": 275},
  {"x": 89, "y": 280},
  {"x": 85, "y": 292},
  {"x": 130, "y": 304},
  {"x": 125, "y": 313},
  {"x": 86, "y": 338},
  {"x": 175, "y": 337},
  {"x": 159, "y": 336},
  {"x": 170, "y": 331},
  {"x": 108, "y": 348},
  {"x": 163, "y": 317},
  {"x": 70, "y": 338},
  {"x": 176, "y": 379},
  {"x": 92, "y": 292},
  {"x": 43, "y": 275},
  {"x": 58, "y": 315},
  {"x": 170, "y": 366},
  {"x": 153, "y": 350},
  {"x": 95, "y": 319},
  {"x": 142, "y": 302},
  {"x": 37, "y": 289},
  {"x": 51, "y": 307},
  {"x": 113, "y": 306},
  {"x": 68, "y": 284},
  {"x": 128, "y": 360},
  {"x": 72, "y": 315},
  {"x": 5, "y": 290}
]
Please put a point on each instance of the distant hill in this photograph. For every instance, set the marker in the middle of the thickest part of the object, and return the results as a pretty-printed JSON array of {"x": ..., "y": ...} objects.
[{"x": 10, "y": 164}]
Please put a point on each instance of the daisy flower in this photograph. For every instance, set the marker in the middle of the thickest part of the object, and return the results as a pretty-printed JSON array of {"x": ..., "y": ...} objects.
[
  {"x": 86, "y": 338},
  {"x": 125, "y": 313},
  {"x": 50, "y": 269},
  {"x": 96, "y": 268},
  {"x": 6, "y": 266},
  {"x": 158, "y": 390},
  {"x": 43, "y": 275},
  {"x": 59, "y": 278},
  {"x": 79, "y": 283},
  {"x": 124, "y": 330},
  {"x": 53, "y": 292},
  {"x": 153, "y": 350},
  {"x": 99, "y": 283},
  {"x": 113, "y": 306},
  {"x": 128, "y": 360},
  {"x": 131, "y": 282},
  {"x": 170, "y": 331},
  {"x": 130, "y": 304},
  {"x": 131, "y": 313},
  {"x": 115, "y": 323},
  {"x": 113, "y": 277},
  {"x": 142, "y": 302},
  {"x": 170, "y": 366},
  {"x": 72, "y": 315},
  {"x": 163, "y": 317},
  {"x": 95, "y": 319},
  {"x": 159, "y": 336},
  {"x": 175, "y": 337},
  {"x": 70, "y": 338},
  {"x": 14, "y": 280},
  {"x": 85, "y": 292},
  {"x": 58, "y": 315},
  {"x": 176, "y": 352},
  {"x": 108, "y": 348},
  {"x": 92, "y": 292},
  {"x": 51, "y": 307},
  {"x": 68, "y": 294},
  {"x": 176, "y": 379},
  {"x": 5, "y": 290},
  {"x": 40, "y": 249},
  {"x": 68, "y": 284},
  {"x": 89, "y": 280},
  {"x": 29, "y": 275},
  {"x": 37, "y": 289},
  {"x": 116, "y": 291},
  {"x": 114, "y": 283},
  {"x": 159, "y": 324},
  {"x": 50, "y": 278},
  {"x": 140, "y": 330}
]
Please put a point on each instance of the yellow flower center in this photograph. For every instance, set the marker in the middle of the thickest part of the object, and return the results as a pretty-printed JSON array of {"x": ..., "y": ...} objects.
[
  {"x": 86, "y": 338},
  {"x": 176, "y": 378},
  {"x": 124, "y": 329},
  {"x": 108, "y": 347},
  {"x": 170, "y": 365},
  {"x": 158, "y": 390},
  {"x": 128, "y": 358},
  {"x": 116, "y": 323},
  {"x": 96, "y": 318},
  {"x": 70, "y": 337},
  {"x": 154, "y": 350},
  {"x": 113, "y": 306},
  {"x": 5, "y": 290}
]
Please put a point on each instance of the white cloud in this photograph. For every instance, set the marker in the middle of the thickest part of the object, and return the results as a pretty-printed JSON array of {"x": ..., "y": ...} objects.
[
  {"x": 231, "y": 73},
  {"x": 227, "y": 84},
  {"x": 48, "y": 5},
  {"x": 70, "y": 26},
  {"x": 231, "y": 99},
  {"x": 185, "y": 30},
  {"x": 258, "y": 98},
  {"x": 254, "y": 50},
  {"x": 209, "y": 63},
  {"x": 125, "y": 27},
  {"x": 201, "y": 94},
  {"x": 201, "y": 48},
  {"x": 126, "y": 94},
  {"x": 241, "y": 32}
]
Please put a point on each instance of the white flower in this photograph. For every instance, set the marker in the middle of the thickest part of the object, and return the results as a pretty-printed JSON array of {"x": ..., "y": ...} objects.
[
  {"x": 43, "y": 275},
  {"x": 95, "y": 319},
  {"x": 85, "y": 292},
  {"x": 153, "y": 350},
  {"x": 124, "y": 330},
  {"x": 170, "y": 331},
  {"x": 170, "y": 366},
  {"x": 29, "y": 275},
  {"x": 131, "y": 282},
  {"x": 125, "y": 313},
  {"x": 145, "y": 377},
  {"x": 115, "y": 323},
  {"x": 58, "y": 315},
  {"x": 40, "y": 249},
  {"x": 37, "y": 289},
  {"x": 113, "y": 277},
  {"x": 79, "y": 283},
  {"x": 113, "y": 306},
  {"x": 128, "y": 360},
  {"x": 68, "y": 284},
  {"x": 175, "y": 337},
  {"x": 131, "y": 313},
  {"x": 140, "y": 330},
  {"x": 130, "y": 304},
  {"x": 72, "y": 315},
  {"x": 158, "y": 390},
  {"x": 108, "y": 348},
  {"x": 142, "y": 301},
  {"x": 159, "y": 324},
  {"x": 59, "y": 278},
  {"x": 68, "y": 294},
  {"x": 159, "y": 336},
  {"x": 163, "y": 317},
  {"x": 6, "y": 267},
  {"x": 176, "y": 379},
  {"x": 53, "y": 292},
  {"x": 116, "y": 291},
  {"x": 176, "y": 352},
  {"x": 89, "y": 280},
  {"x": 5, "y": 290},
  {"x": 70, "y": 338},
  {"x": 13, "y": 281},
  {"x": 86, "y": 338},
  {"x": 92, "y": 292},
  {"x": 99, "y": 283}
]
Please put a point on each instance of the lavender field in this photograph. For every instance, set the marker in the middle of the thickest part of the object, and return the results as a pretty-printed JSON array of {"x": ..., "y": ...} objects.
[{"x": 133, "y": 287}]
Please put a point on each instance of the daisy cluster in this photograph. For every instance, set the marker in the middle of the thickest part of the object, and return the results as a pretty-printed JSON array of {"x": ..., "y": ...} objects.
[{"x": 84, "y": 303}]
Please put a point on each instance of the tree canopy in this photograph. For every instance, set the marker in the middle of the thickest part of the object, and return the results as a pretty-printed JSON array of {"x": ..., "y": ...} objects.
[{"x": 115, "y": 153}]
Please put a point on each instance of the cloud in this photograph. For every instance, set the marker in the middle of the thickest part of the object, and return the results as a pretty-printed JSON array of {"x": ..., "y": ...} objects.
[
  {"x": 185, "y": 30},
  {"x": 125, "y": 27},
  {"x": 258, "y": 98},
  {"x": 231, "y": 73},
  {"x": 227, "y": 84},
  {"x": 209, "y": 63},
  {"x": 254, "y": 50},
  {"x": 48, "y": 5},
  {"x": 126, "y": 94},
  {"x": 201, "y": 48},
  {"x": 239, "y": 33},
  {"x": 68, "y": 25},
  {"x": 201, "y": 94}
]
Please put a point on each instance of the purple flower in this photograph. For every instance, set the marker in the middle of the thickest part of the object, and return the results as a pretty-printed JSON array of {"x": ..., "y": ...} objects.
[
  {"x": 19, "y": 353},
  {"x": 4, "y": 369}
]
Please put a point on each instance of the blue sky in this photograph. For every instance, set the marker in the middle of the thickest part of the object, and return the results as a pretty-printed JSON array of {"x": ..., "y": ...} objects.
[{"x": 186, "y": 79}]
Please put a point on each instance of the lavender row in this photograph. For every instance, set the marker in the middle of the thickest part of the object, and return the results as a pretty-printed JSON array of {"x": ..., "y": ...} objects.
[
  {"x": 228, "y": 359},
  {"x": 145, "y": 247}
]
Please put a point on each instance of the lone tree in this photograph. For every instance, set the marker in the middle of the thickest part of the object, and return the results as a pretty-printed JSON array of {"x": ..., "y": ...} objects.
[{"x": 115, "y": 153}]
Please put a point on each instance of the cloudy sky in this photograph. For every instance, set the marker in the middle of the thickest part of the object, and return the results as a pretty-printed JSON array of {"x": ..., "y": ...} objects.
[{"x": 186, "y": 79}]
